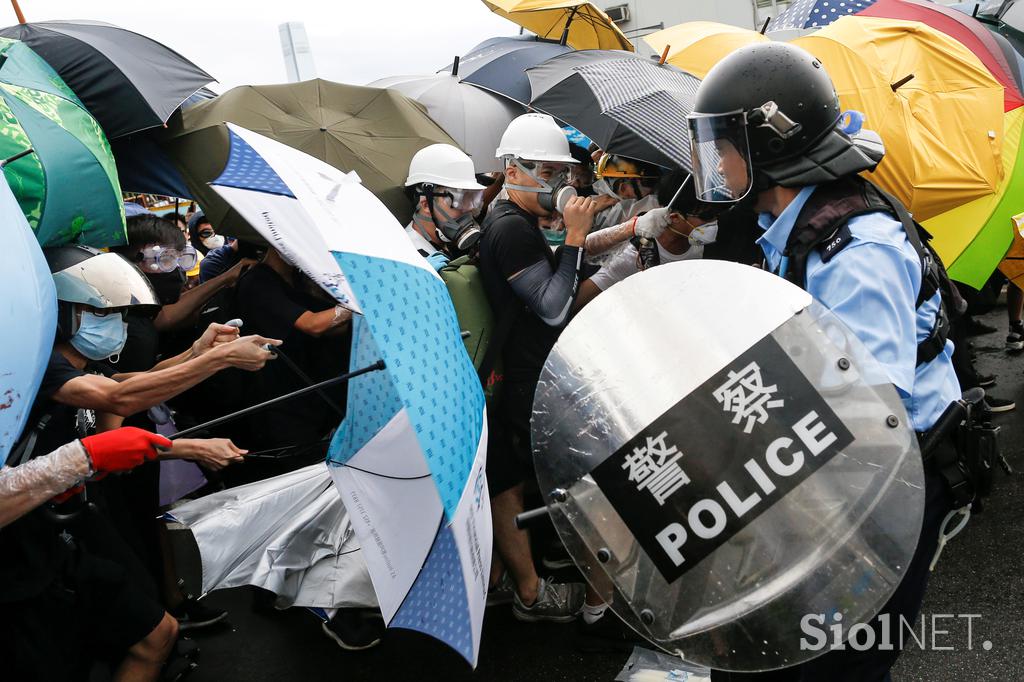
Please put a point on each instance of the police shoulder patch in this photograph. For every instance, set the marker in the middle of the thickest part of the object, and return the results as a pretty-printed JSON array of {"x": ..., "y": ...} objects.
[{"x": 835, "y": 242}]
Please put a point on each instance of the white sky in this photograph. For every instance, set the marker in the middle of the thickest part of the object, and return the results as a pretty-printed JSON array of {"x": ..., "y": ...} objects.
[{"x": 238, "y": 43}]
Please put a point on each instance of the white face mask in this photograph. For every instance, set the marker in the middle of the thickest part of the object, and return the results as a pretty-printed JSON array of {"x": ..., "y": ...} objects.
[
  {"x": 704, "y": 234},
  {"x": 214, "y": 242},
  {"x": 602, "y": 186}
]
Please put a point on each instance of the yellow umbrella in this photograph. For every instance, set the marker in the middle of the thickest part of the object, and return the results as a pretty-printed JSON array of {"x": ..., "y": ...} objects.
[
  {"x": 589, "y": 28},
  {"x": 696, "y": 46},
  {"x": 1013, "y": 265},
  {"x": 942, "y": 129}
]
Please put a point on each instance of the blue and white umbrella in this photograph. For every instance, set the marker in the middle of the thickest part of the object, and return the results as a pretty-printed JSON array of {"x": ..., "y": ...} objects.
[
  {"x": 815, "y": 13},
  {"x": 409, "y": 458},
  {"x": 28, "y": 320}
]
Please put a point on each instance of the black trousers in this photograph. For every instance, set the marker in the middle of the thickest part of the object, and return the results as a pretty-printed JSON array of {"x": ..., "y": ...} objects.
[{"x": 873, "y": 665}]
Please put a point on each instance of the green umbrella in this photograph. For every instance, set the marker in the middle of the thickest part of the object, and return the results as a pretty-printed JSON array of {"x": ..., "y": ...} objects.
[
  {"x": 372, "y": 131},
  {"x": 68, "y": 187}
]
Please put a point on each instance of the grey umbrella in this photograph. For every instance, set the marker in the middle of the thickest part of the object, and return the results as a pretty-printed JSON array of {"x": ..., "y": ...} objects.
[
  {"x": 625, "y": 103},
  {"x": 127, "y": 81},
  {"x": 473, "y": 117}
]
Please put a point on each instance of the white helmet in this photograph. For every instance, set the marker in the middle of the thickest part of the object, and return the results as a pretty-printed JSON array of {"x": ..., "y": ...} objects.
[
  {"x": 534, "y": 137},
  {"x": 443, "y": 165}
]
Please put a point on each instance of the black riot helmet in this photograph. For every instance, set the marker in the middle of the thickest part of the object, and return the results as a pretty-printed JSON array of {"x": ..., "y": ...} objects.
[{"x": 770, "y": 111}]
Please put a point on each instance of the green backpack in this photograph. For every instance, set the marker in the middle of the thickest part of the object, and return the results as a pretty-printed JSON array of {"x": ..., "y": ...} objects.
[{"x": 481, "y": 336}]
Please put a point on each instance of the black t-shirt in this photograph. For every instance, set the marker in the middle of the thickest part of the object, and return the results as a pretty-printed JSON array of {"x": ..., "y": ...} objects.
[
  {"x": 510, "y": 243},
  {"x": 268, "y": 305},
  {"x": 31, "y": 551}
]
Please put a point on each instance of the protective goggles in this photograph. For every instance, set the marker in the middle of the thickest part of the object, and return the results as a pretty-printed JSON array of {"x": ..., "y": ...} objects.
[
  {"x": 159, "y": 259},
  {"x": 463, "y": 199}
]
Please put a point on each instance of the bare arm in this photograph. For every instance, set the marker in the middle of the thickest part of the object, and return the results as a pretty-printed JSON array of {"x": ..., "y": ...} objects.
[
  {"x": 142, "y": 391},
  {"x": 186, "y": 309},
  {"x": 318, "y": 324},
  {"x": 588, "y": 292}
]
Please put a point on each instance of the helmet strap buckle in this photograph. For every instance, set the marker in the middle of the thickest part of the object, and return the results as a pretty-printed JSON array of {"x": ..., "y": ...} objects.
[{"x": 768, "y": 115}]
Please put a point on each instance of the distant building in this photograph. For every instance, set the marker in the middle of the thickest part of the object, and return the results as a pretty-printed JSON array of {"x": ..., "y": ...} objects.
[
  {"x": 298, "y": 60},
  {"x": 637, "y": 18}
]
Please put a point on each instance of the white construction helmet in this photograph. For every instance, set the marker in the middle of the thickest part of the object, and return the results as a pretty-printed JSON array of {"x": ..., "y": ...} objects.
[
  {"x": 443, "y": 165},
  {"x": 534, "y": 137}
]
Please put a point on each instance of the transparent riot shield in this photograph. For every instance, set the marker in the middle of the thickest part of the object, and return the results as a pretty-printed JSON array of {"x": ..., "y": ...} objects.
[{"x": 723, "y": 458}]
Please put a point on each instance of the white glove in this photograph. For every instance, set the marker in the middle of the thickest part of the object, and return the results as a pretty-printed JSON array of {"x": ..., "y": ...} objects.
[{"x": 652, "y": 223}]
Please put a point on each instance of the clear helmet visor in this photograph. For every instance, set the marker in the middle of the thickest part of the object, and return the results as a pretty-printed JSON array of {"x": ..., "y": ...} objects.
[{"x": 721, "y": 156}]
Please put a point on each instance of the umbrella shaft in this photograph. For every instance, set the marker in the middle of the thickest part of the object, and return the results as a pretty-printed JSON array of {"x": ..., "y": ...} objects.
[{"x": 379, "y": 365}]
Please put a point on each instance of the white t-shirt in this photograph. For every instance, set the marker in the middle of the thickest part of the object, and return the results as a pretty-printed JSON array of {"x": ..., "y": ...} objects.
[
  {"x": 422, "y": 245},
  {"x": 623, "y": 264}
]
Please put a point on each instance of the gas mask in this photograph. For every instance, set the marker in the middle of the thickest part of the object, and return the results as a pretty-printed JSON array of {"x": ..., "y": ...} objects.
[
  {"x": 461, "y": 233},
  {"x": 100, "y": 337},
  {"x": 553, "y": 194}
]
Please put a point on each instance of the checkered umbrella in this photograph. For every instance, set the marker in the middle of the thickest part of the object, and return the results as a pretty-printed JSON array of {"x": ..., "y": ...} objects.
[
  {"x": 816, "y": 13},
  {"x": 409, "y": 458},
  {"x": 626, "y": 104}
]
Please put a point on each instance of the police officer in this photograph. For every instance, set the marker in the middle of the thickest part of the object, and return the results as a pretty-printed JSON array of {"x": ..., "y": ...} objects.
[{"x": 767, "y": 131}]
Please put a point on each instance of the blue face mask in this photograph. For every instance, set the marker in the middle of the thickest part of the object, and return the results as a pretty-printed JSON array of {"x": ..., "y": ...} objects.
[{"x": 98, "y": 337}]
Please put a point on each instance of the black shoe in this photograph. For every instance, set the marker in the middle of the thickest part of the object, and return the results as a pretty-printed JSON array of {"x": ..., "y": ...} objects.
[
  {"x": 999, "y": 404},
  {"x": 190, "y": 615},
  {"x": 355, "y": 629},
  {"x": 976, "y": 328},
  {"x": 984, "y": 381},
  {"x": 607, "y": 634}
]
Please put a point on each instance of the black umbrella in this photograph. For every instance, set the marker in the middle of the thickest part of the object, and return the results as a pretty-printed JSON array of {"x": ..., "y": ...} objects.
[
  {"x": 499, "y": 64},
  {"x": 127, "y": 81},
  {"x": 627, "y": 104}
]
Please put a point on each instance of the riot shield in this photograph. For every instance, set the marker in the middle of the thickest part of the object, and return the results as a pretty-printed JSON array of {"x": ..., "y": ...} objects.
[{"x": 723, "y": 458}]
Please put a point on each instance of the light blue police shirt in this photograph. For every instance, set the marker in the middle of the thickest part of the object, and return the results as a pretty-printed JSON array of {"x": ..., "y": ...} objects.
[{"x": 871, "y": 285}]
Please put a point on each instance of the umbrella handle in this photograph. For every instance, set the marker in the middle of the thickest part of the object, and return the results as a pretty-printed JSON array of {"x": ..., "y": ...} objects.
[{"x": 565, "y": 31}]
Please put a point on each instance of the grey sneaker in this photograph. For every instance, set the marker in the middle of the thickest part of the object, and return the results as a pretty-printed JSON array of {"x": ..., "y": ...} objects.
[
  {"x": 556, "y": 603},
  {"x": 503, "y": 592}
]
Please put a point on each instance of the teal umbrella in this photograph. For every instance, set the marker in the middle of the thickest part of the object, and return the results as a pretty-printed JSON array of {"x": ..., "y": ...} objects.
[{"x": 68, "y": 188}]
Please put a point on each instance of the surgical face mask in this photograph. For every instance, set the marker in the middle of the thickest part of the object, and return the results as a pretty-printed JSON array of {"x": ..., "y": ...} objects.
[
  {"x": 214, "y": 242},
  {"x": 100, "y": 337},
  {"x": 704, "y": 234}
]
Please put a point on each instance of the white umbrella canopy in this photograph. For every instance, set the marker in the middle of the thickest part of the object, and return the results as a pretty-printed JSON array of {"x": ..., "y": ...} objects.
[
  {"x": 409, "y": 458},
  {"x": 475, "y": 118}
]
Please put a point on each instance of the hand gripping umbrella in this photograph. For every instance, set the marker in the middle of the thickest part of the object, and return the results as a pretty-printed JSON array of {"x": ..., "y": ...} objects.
[
  {"x": 625, "y": 103},
  {"x": 409, "y": 458},
  {"x": 128, "y": 81},
  {"x": 715, "y": 494}
]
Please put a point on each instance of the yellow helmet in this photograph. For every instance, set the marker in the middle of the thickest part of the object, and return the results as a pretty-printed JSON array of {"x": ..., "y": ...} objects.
[{"x": 615, "y": 167}]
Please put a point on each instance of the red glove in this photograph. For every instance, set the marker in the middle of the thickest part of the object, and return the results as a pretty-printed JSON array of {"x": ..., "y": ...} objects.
[{"x": 122, "y": 449}]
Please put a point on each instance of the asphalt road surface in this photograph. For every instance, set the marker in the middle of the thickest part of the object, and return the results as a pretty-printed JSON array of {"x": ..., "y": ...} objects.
[{"x": 977, "y": 583}]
